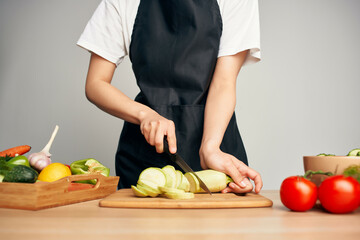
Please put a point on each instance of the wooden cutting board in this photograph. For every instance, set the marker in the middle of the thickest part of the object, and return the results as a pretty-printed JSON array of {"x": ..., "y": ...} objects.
[{"x": 124, "y": 198}]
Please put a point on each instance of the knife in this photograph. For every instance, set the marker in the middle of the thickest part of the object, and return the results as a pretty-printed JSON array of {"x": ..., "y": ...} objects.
[{"x": 183, "y": 165}]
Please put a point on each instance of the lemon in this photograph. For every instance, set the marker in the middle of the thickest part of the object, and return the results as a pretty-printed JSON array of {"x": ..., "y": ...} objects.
[{"x": 53, "y": 172}]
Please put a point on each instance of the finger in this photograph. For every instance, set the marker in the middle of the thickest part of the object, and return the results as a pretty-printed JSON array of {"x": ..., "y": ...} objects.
[
  {"x": 255, "y": 176},
  {"x": 152, "y": 133},
  {"x": 171, "y": 137},
  {"x": 251, "y": 173},
  {"x": 232, "y": 187},
  {"x": 234, "y": 173},
  {"x": 145, "y": 130},
  {"x": 226, "y": 190},
  {"x": 235, "y": 188},
  {"x": 159, "y": 140}
]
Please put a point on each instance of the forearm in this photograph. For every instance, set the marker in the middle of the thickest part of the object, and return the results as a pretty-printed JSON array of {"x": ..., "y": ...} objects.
[
  {"x": 221, "y": 100},
  {"x": 100, "y": 92},
  {"x": 113, "y": 101},
  {"x": 219, "y": 109}
]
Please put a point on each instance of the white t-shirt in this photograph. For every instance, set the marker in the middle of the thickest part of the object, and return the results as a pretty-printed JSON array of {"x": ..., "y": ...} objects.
[{"x": 108, "y": 32}]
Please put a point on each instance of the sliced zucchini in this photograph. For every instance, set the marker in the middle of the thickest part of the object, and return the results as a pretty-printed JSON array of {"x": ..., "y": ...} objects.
[
  {"x": 137, "y": 192},
  {"x": 184, "y": 185},
  {"x": 155, "y": 175},
  {"x": 179, "y": 176},
  {"x": 170, "y": 190},
  {"x": 170, "y": 173},
  {"x": 148, "y": 187},
  {"x": 193, "y": 181},
  {"x": 184, "y": 195}
]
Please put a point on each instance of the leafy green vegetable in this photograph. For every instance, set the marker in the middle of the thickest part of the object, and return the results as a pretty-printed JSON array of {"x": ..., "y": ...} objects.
[
  {"x": 353, "y": 171},
  {"x": 354, "y": 152},
  {"x": 325, "y": 154},
  {"x": 5, "y": 158}
]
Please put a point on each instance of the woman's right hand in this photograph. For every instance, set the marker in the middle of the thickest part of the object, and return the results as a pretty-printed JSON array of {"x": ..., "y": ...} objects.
[{"x": 154, "y": 127}]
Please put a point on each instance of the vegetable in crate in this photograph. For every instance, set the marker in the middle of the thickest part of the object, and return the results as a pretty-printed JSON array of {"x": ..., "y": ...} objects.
[
  {"x": 21, "y": 174},
  {"x": 41, "y": 159},
  {"x": 89, "y": 166},
  {"x": 19, "y": 160},
  {"x": 12, "y": 152},
  {"x": 17, "y": 170}
]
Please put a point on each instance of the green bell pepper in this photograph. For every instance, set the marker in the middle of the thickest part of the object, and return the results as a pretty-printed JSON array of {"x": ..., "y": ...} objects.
[
  {"x": 89, "y": 166},
  {"x": 18, "y": 160}
]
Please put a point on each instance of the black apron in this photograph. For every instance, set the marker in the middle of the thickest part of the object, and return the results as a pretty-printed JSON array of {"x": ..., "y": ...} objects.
[{"x": 173, "y": 50}]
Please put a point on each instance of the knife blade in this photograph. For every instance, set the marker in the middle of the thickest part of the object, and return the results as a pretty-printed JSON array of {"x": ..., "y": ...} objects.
[{"x": 183, "y": 165}]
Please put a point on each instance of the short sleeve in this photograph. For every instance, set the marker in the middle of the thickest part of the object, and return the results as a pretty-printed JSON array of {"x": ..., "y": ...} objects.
[
  {"x": 103, "y": 34},
  {"x": 241, "y": 29}
]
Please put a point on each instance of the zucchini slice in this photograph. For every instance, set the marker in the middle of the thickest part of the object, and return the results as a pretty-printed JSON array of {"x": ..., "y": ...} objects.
[
  {"x": 148, "y": 187},
  {"x": 170, "y": 173},
  {"x": 155, "y": 175},
  {"x": 184, "y": 195},
  {"x": 170, "y": 190},
  {"x": 137, "y": 192}
]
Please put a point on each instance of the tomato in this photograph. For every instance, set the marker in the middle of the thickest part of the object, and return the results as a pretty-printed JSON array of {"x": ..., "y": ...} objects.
[
  {"x": 298, "y": 193},
  {"x": 339, "y": 194}
]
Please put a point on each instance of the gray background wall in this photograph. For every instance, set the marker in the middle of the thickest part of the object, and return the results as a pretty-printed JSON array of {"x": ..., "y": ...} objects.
[{"x": 301, "y": 99}]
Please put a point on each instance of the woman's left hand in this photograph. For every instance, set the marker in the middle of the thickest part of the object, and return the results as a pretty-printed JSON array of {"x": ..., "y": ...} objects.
[{"x": 237, "y": 170}]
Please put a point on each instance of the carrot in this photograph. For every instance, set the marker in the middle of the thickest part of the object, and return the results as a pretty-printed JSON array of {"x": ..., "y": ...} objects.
[{"x": 15, "y": 150}]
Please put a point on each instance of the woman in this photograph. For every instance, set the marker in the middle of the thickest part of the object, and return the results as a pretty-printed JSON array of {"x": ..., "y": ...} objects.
[{"x": 186, "y": 55}]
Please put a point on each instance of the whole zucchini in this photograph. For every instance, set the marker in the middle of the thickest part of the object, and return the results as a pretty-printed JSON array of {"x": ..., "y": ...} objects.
[{"x": 21, "y": 174}]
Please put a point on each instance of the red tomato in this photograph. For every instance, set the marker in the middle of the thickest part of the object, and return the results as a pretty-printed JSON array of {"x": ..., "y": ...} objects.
[
  {"x": 339, "y": 194},
  {"x": 298, "y": 193}
]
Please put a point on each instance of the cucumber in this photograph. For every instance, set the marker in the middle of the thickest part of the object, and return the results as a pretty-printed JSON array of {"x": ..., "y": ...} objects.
[
  {"x": 354, "y": 152},
  {"x": 21, "y": 174}
]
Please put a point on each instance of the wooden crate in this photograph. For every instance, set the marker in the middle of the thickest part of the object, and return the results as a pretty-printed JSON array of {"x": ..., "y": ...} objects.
[{"x": 42, "y": 195}]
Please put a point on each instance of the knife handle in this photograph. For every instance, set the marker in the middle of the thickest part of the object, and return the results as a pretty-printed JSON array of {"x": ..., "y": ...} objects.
[{"x": 166, "y": 146}]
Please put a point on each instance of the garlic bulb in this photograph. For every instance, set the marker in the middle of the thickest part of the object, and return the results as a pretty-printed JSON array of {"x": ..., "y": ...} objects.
[{"x": 41, "y": 159}]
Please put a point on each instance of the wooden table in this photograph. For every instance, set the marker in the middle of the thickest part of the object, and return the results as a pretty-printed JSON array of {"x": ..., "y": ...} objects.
[{"x": 88, "y": 221}]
